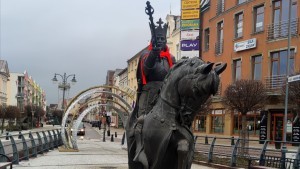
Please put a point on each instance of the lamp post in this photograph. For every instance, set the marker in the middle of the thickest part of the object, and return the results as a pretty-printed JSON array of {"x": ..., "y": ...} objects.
[
  {"x": 64, "y": 85},
  {"x": 284, "y": 148}
]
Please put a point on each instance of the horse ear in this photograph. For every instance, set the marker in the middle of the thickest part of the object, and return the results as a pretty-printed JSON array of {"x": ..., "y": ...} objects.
[
  {"x": 205, "y": 69},
  {"x": 220, "y": 68}
]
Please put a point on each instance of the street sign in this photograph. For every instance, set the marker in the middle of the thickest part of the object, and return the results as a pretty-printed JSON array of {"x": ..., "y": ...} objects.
[
  {"x": 190, "y": 4},
  {"x": 294, "y": 78}
]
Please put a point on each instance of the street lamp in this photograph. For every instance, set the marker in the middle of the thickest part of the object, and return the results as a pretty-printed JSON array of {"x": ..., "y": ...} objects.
[{"x": 64, "y": 85}]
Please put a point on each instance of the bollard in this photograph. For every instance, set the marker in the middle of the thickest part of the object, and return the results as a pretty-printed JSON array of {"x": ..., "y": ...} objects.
[
  {"x": 123, "y": 139},
  {"x": 112, "y": 138},
  {"x": 232, "y": 141},
  {"x": 19, "y": 137},
  {"x": 108, "y": 132},
  {"x": 206, "y": 140},
  {"x": 116, "y": 134},
  {"x": 6, "y": 138},
  {"x": 103, "y": 136}
]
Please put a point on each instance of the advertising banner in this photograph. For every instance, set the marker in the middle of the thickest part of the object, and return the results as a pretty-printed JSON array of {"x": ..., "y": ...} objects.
[
  {"x": 190, "y": 24},
  {"x": 190, "y": 35},
  {"x": 190, "y": 14},
  {"x": 190, "y": 4},
  {"x": 190, "y": 54},
  {"x": 188, "y": 45},
  {"x": 244, "y": 45}
]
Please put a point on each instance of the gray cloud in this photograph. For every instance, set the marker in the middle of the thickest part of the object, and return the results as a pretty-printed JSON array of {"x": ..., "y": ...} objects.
[{"x": 82, "y": 37}]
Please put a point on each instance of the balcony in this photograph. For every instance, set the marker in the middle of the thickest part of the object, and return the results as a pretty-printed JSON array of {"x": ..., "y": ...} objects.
[
  {"x": 220, "y": 7},
  {"x": 280, "y": 30},
  {"x": 274, "y": 84},
  {"x": 20, "y": 95},
  {"x": 219, "y": 47}
]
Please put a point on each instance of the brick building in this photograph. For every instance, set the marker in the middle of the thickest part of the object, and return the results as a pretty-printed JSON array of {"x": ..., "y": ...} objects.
[{"x": 251, "y": 36}]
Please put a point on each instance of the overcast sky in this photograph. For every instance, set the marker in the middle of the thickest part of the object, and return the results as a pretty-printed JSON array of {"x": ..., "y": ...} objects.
[{"x": 82, "y": 37}]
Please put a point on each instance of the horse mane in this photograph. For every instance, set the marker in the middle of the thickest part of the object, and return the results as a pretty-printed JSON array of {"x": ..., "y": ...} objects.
[{"x": 195, "y": 61}]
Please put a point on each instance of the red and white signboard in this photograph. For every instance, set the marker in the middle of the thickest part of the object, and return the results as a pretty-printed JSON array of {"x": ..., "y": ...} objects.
[{"x": 190, "y": 35}]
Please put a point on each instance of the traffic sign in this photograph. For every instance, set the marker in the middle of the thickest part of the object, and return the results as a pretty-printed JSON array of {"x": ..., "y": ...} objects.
[{"x": 294, "y": 78}]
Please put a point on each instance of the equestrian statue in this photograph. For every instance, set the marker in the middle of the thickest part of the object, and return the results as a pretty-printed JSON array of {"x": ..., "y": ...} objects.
[{"x": 169, "y": 96}]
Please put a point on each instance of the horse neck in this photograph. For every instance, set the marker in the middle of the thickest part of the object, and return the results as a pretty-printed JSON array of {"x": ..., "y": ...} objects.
[{"x": 170, "y": 98}]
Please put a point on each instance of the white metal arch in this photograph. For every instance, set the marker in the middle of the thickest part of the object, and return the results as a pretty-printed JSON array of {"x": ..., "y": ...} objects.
[
  {"x": 98, "y": 89},
  {"x": 82, "y": 115}
]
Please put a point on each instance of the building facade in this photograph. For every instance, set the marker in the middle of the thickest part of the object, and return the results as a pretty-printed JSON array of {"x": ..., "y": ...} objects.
[
  {"x": 23, "y": 90},
  {"x": 252, "y": 38},
  {"x": 4, "y": 78}
]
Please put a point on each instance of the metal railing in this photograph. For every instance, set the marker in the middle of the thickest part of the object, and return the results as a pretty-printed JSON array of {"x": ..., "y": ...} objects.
[
  {"x": 22, "y": 146},
  {"x": 280, "y": 30},
  {"x": 274, "y": 84},
  {"x": 228, "y": 151}
]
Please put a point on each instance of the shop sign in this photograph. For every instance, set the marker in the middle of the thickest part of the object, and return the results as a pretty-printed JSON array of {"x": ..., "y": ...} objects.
[
  {"x": 244, "y": 45},
  {"x": 296, "y": 131},
  {"x": 188, "y": 45},
  {"x": 190, "y": 4},
  {"x": 190, "y": 14},
  {"x": 263, "y": 126},
  {"x": 189, "y": 54},
  {"x": 190, "y": 35},
  {"x": 294, "y": 78},
  {"x": 190, "y": 24}
]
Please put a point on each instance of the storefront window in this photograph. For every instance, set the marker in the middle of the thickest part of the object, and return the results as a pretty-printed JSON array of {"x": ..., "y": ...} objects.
[
  {"x": 253, "y": 122},
  {"x": 200, "y": 123},
  {"x": 217, "y": 121}
]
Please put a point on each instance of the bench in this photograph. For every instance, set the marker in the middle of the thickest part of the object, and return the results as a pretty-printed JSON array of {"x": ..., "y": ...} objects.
[
  {"x": 272, "y": 162},
  {"x": 4, "y": 165}
]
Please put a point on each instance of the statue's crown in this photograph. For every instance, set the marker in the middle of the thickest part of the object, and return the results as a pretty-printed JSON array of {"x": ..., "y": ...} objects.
[{"x": 160, "y": 29}]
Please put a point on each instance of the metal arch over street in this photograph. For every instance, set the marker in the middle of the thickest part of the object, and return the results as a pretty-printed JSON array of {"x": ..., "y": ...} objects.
[
  {"x": 81, "y": 116},
  {"x": 88, "y": 93}
]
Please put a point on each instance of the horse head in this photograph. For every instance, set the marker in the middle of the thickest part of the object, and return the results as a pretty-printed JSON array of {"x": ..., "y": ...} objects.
[{"x": 190, "y": 83}]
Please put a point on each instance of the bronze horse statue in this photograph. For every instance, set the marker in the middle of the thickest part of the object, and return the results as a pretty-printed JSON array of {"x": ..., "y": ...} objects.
[{"x": 166, "y": 139}]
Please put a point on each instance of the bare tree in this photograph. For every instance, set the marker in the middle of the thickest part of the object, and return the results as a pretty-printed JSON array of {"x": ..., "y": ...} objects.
[
  {"x": 245, "y": 96},
  {"x": 57, "y": 115},
  {"x": 2, "y": 115},
  {"x": 11, "y": 113}
]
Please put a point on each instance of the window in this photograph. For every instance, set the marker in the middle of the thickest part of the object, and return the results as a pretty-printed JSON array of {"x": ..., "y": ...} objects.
[
  {"x": 241, "y": 1},
  {"x": 220, "y": 6},
  {"x": 219, "y": 43},
  {"x": 239, "y": 25},
  {"x": 259, "y": 18},
  {"x": 200, "y": 123},
  {"x": 253, "y": 123},
  {"x": 256, "y": 67},
  {"x": 279, "y": 62},
  {"x": 237, "y": 69},
  {"x": 206, "y": 39},
  {"x": 217, "y": 121},
  {"x": 280, "y": 18}
]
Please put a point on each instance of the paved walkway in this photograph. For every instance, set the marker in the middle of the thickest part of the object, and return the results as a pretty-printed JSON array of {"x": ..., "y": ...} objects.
[{"x": 93, "y": 153}]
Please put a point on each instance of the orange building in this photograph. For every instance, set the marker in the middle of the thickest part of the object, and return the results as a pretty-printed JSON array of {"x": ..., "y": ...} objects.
[{"x": 251, "y": 36}]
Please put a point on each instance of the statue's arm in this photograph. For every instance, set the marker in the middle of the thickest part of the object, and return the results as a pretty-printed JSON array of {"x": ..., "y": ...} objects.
[{"x": 151, "y": 61}]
